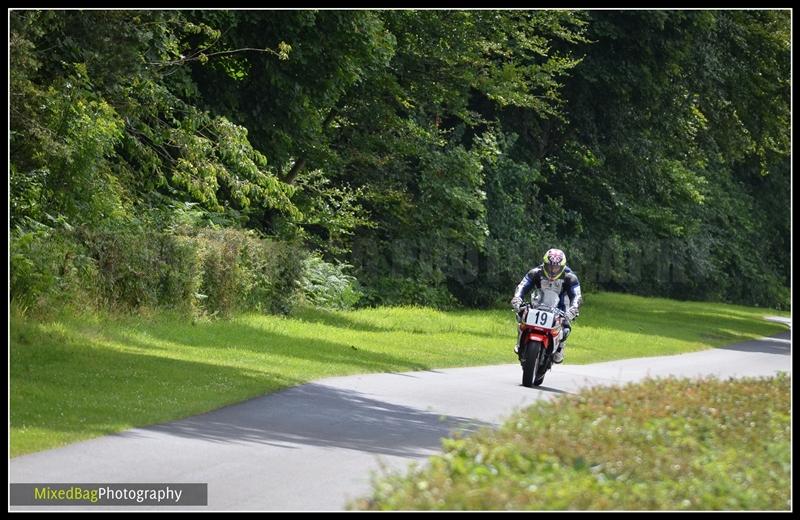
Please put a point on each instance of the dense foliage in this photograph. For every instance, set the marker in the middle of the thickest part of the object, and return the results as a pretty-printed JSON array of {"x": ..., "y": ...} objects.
[{"x": 438, "y": 153}]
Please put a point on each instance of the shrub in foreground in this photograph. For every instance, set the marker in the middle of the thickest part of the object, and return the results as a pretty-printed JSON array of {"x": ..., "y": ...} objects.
[{"x": 670, "y": 444}]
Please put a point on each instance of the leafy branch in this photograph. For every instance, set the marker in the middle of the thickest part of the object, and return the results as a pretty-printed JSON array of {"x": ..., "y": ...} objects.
[{"x": 282, "y": 53}]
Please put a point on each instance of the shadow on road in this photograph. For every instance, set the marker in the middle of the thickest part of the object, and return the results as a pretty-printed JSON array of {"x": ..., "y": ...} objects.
[
  {"x": 550, "y": 390},
  {"x": 780, "y": 344},
  {"x": 339, "y": 419}
]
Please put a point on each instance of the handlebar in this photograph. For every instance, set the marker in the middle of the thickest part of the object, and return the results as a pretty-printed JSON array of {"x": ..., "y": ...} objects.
[{"x": 554, "y": 310}]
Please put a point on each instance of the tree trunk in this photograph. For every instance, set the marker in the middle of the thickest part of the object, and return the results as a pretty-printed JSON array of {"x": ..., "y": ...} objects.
[{"x": 300, "y": 163}]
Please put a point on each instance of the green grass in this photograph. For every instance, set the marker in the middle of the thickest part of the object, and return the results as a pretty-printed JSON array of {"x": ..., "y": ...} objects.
[
  {"x": 74, "y": 377},
  {"x": 669, "y": 444}
]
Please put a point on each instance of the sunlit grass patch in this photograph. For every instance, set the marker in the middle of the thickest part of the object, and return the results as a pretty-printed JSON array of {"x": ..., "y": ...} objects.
[{"x": 77, "y": 376}]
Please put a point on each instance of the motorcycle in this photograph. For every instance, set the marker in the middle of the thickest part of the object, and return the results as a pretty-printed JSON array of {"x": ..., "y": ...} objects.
[{"x": 541, "y": 330}]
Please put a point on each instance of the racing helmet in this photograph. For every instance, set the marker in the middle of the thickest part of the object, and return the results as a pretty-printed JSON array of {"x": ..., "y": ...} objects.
[{"x": 555, "y": 262}]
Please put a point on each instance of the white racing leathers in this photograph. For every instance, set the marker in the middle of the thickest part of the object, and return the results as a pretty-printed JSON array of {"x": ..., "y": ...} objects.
[
  {"x": 560, "y": 293},
  {"x": 563, "y": 293}
]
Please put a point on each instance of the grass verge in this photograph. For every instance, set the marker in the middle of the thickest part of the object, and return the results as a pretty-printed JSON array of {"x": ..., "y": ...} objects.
[
  {"x": 668, "y": 444},
  {"x": 81, "y": 375}
]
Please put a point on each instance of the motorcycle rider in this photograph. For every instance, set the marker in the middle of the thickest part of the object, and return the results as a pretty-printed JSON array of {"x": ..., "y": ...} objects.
[{"x": 554, "y": 282}]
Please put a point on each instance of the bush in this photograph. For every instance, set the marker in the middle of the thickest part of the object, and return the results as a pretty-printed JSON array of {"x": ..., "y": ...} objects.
[
  {"x": 408, "y": 291},
  {"x": 213, "y": 271},
  {"x": 662, "y": 444},
  {"x": 50, "y": 267},
  {"x": 328, "y": 285},
  {"x": 180, "y": 273},
  {"x": 128, "y": 264},
  {"x": 241, "y": 271},
  {"x": 223, "y": 282}
]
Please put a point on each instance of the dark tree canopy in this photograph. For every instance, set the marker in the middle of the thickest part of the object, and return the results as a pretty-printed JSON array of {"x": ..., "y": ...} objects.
[{"x": 438, "y": 152}]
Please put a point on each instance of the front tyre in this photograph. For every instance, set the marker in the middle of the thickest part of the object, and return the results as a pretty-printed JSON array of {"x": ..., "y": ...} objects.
[
  {"x": 540, "y": 372},
  {"x": 530, "y": 363}
]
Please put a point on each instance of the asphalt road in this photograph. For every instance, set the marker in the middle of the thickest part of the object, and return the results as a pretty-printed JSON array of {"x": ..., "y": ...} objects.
[{"x": 314, "y": 447}]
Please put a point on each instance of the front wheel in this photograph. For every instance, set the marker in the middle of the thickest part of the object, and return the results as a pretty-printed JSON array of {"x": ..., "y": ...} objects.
[
  {"x": 540, "y": 372},
  {"x": 530, "y": 364}
]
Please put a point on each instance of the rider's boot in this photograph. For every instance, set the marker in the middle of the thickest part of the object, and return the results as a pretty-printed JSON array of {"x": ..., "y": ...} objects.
[{"x": 558, "y": 355}]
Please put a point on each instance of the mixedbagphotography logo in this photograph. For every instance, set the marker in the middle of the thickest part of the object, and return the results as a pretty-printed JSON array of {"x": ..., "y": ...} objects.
[
  {"x": 69, "y": 494},
  {"x": 74, "y": 493}
]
